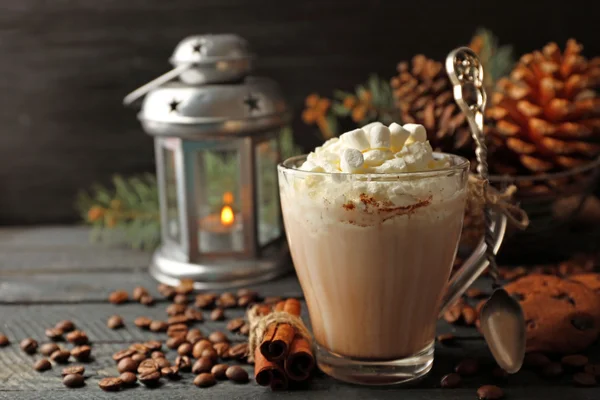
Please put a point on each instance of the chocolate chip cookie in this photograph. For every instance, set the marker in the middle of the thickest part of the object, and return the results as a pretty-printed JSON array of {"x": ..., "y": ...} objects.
[{"x": 590, "y": 280}]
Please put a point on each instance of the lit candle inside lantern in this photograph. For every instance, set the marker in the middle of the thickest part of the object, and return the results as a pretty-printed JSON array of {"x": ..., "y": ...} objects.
[{"x": 221, "y": 232}]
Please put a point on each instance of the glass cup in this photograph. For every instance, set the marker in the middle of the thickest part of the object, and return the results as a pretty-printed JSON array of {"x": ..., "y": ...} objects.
[{"x": 373, "y": 253}]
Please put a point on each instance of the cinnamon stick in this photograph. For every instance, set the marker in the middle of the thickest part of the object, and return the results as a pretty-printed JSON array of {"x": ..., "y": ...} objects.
[
  {"x": 275, "y": 347},
  {"x": 280, "y": 381},
  {"x": 300, "y": 360},
  {"x": 292, "y": 306},
  {"x": 265, "y": 371}
]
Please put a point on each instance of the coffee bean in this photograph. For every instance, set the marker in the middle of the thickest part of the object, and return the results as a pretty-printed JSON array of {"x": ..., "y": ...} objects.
[
  {"x": 217, "y": 314},
  {"x": 177, "y": 319},
  {"x": 158, "y": 326},
  {"x": 149, "y": 378},
  {"x": 65, "y": 326},
  {"x": 177, "y": 330},
  {"x": 170, "y": 372},
  {"x": 205, "y": 300},
  {"x": 446, "y": 339},
  {"x": 138, "y": 357},
  {"x": 245, "y": 329},
  {"x": 221, "y": 349},
  {"x": 128, "y": 378},
  {"x": 60, "y": 356},
  {"x": 552, "y": 370},
  {"x": 110, "y": 384},
  {"x": 218, "y": 337},
  {"x": 75, "y": 369},
  {"x": 142, "y": 322},
  {"x": 593, "y": 369},
  {"x": 180, "y": 299},
  {"x": 536, "y": 360},
  {"x": 239, "y": 351},
  {"x": 118, "y": 297},
  {"x": 219, "y": 370},
  {"x": 82, "y": 353},
  {"x": 4, "y": 340},
  {"x": 272, "y": 300},
  {"x": 77, "y": 337},
  {"x": 139, "y": 348},
  {"x": 54, "y": 334},
  {"x": 186, "y": 286},
  {"x": 200, "y": 346},
  {"x": 183, "y": 363},
  {"x": 121, "y": 354},
  {"x": 153, "y": 345},
  {"x": 147, "y": 300},
  {"x": 235, "y": 324},
  {"x": 205, "y": 380},
  {"x": 469, "y": 315},
  {"x": 73, "y": 381},
  {"x": 203, "y": 364},
  {"x": 468, "y": 366},
  {"x": 139, "y": 292},
  {"x": 176, "y": 309},
  {"x": 147, "y": 365},
  {"x": 42, "y": 365},
  {"x": 115, "y": 322},
  {"x": 574, "y": 361},
  {"x": 162, "y": 362},
  {"x": 451, "y": 381},
  {"x": 475, "y": 293},
  {"x": 237, "y": 374},
  {"x": 194, "y": 336},
  {"x": 157, "y": 354},
  {"x": 184, "y": 349},
  {"x": 29, "y": 345},
  {"x": 166, "y": 290},
  {"x": 175, "y": 342},
  {"x": 499, "y": 373},
  {"x": 584, "y": 379},
  {"x": 490, "y": 392},
  {"x": 226, "y": 300},
  {"x": 48, "y": 348},
  {"x": 453, "y": 313},
  {"x": 210, "y": 353},
  {"x": 194, "y": 315},
  {"x": 127, "y": 364}
]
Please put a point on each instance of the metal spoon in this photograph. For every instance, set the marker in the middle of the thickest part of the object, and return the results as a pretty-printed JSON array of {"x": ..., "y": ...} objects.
[{"x": 502, "y": 321}]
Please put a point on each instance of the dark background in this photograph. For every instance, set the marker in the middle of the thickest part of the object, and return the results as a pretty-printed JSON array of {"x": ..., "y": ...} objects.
[{"x": 65, "y": 65}]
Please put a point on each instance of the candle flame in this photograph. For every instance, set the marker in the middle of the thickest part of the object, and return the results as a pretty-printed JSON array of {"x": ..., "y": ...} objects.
[
  {"x": 228, "y": 198},
  {"x": 227, "y": 216}
]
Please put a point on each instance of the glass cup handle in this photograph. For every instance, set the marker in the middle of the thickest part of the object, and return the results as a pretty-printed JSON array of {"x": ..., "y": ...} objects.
[{"x": 474, "y": 265}]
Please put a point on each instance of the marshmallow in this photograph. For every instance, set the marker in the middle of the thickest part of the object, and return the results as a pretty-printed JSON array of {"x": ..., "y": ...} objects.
[
  {"x": 392, "y": 166},
  {"x": 418, "y": 133},
  {"x": 351, "y": 161},
  {"x": 417, "y": 156},
  {"x": 379, "y": 137},
  {"x": 398, "y": 136},
  {"x": 368, "y": 127},
  {"x": 356, "y": 139},
  {"x": 374, "y": 158},
  {"x": 311, "y": 166}
]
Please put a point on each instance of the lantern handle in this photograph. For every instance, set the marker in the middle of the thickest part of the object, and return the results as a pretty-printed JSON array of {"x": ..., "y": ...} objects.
[{"x": 161, "y": 80}]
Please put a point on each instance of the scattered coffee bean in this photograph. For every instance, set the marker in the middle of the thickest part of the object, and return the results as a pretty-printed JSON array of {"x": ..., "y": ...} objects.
[
  {"x": 82, "y": 353},
  {"x": 245, "y": 329},
  {"x": 552, "y": 370},
  {"x": 194, "y": 315},
  {"x": 110, "y": 384},
  {"x": 138, "y": 357},
  {"x": 180, "y": 299},
  {"x": 593, "y": 369},
  {"x": 149, "y": 378},
  {"x": 194, "y": 336},
  {"x": 200, "y": 346},
  {"x": 128, "y": 378},
  {"x": 166, "y": 290},
  {"x": 61, "y": 356},
  {"x": 147, "y": 365},
  {"x": 584, "y": 379},
  {"x": 205, "y": 380},
  {"x": 219, "y": 370},
  {"x": 272, "y": 300},
  {"x": 574, "y": 361},
  {"x": 162, "y": 362},
  {"x": 177, "y": 319},
  {"x": 184, "y": 349},
  {"x": 235, "y": 324},
  {"x": 139, "y": 348},
  {"x": 121, "y": 354},
  {"x": 221, "y": 349},
  {"x": 29, "y": 345},
  {"x": 186, "y": 286},
  {"x": 170, "y": 372},
  {"x": 203, "y": 364},
  {"x": 75, "y": 369},
  {"x": 115, "y": 322},
  {"x": 217, "y": 314},
  {"x": 73, "y": 381},
  {"x": 54, "y": 334},
  {"x": 218, "y": 337},
  {"x": 153, "y": 345},
  {"x": 127, "y": 364},
  {"x": 118, "y": 297},
  {"x": 469, "y": 315},
  {"x": 239, "y": 351},
  {"x": 183, "y": 363},
  {"x": 475, "y": 293},
  {"x": 490, "y": 392},
  {"x": 451, "y": 381},
  {"x": 65, "y": 326},
  {"x": 42, "y": 365},
  {"x": 48, "y": 348},
  {"x": 467, "y": 367},
  {"x": 226, "y": 300},
  {"x": 205, "y": 300},
  {"x": 142, "y": 322},
  {"x": 147, "y": 300},
  {"x": 4, "y": 340},
  {"x": 175, "y": 342},
  {"x": 176, "y": 309},
  {"x": 499, "y": 373},
  {"x": 446, "y": 339},
  {"x": 210, "y": 353},
  {"x": 157, "y": 354},
  {"x": 77, "y": 337},
  {"x": 536, "y": 360},
  {"x": 139, "y": 292},
  {"x": 158, "y": 326},
  {"x": 177, "y": 330},
  {"x": 237, "y": 374}
]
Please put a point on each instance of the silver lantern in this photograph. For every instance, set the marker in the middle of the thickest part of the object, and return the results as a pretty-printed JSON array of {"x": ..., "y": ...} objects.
[{"x": 217, "y": 140}]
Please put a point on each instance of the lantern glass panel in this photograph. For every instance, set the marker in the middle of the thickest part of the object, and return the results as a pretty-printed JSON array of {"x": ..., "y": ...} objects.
[
  {"x": 218, "y": 200},
  {"x": 173, "y": 228},
  {"x": 267, "y": 191}
]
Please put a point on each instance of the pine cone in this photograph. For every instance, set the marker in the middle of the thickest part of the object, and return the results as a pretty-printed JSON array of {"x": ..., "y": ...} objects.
[
  {"x": 546, "y": 116},
  {"x": 423, "y": 94}
]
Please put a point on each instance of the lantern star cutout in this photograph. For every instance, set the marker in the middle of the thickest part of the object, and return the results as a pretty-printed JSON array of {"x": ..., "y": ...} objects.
[
  {"x": 173, "y": 105},
  {"x": 197, "y": 48},
  {"x": 252, "y": 103}
]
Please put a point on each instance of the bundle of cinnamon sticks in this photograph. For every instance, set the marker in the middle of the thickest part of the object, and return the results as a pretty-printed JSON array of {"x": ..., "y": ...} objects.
[{"x": 284, "y": 352}]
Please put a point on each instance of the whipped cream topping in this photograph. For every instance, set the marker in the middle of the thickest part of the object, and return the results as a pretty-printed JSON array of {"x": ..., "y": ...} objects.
[{"x": 376, "y": 149}]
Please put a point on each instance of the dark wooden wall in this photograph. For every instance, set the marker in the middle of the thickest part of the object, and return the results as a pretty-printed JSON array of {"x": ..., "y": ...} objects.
[{"x": 66, "y": 64}]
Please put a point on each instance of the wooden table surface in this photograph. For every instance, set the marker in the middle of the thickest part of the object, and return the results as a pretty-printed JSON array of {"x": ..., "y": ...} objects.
[{"x": 52, "y": 273}]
